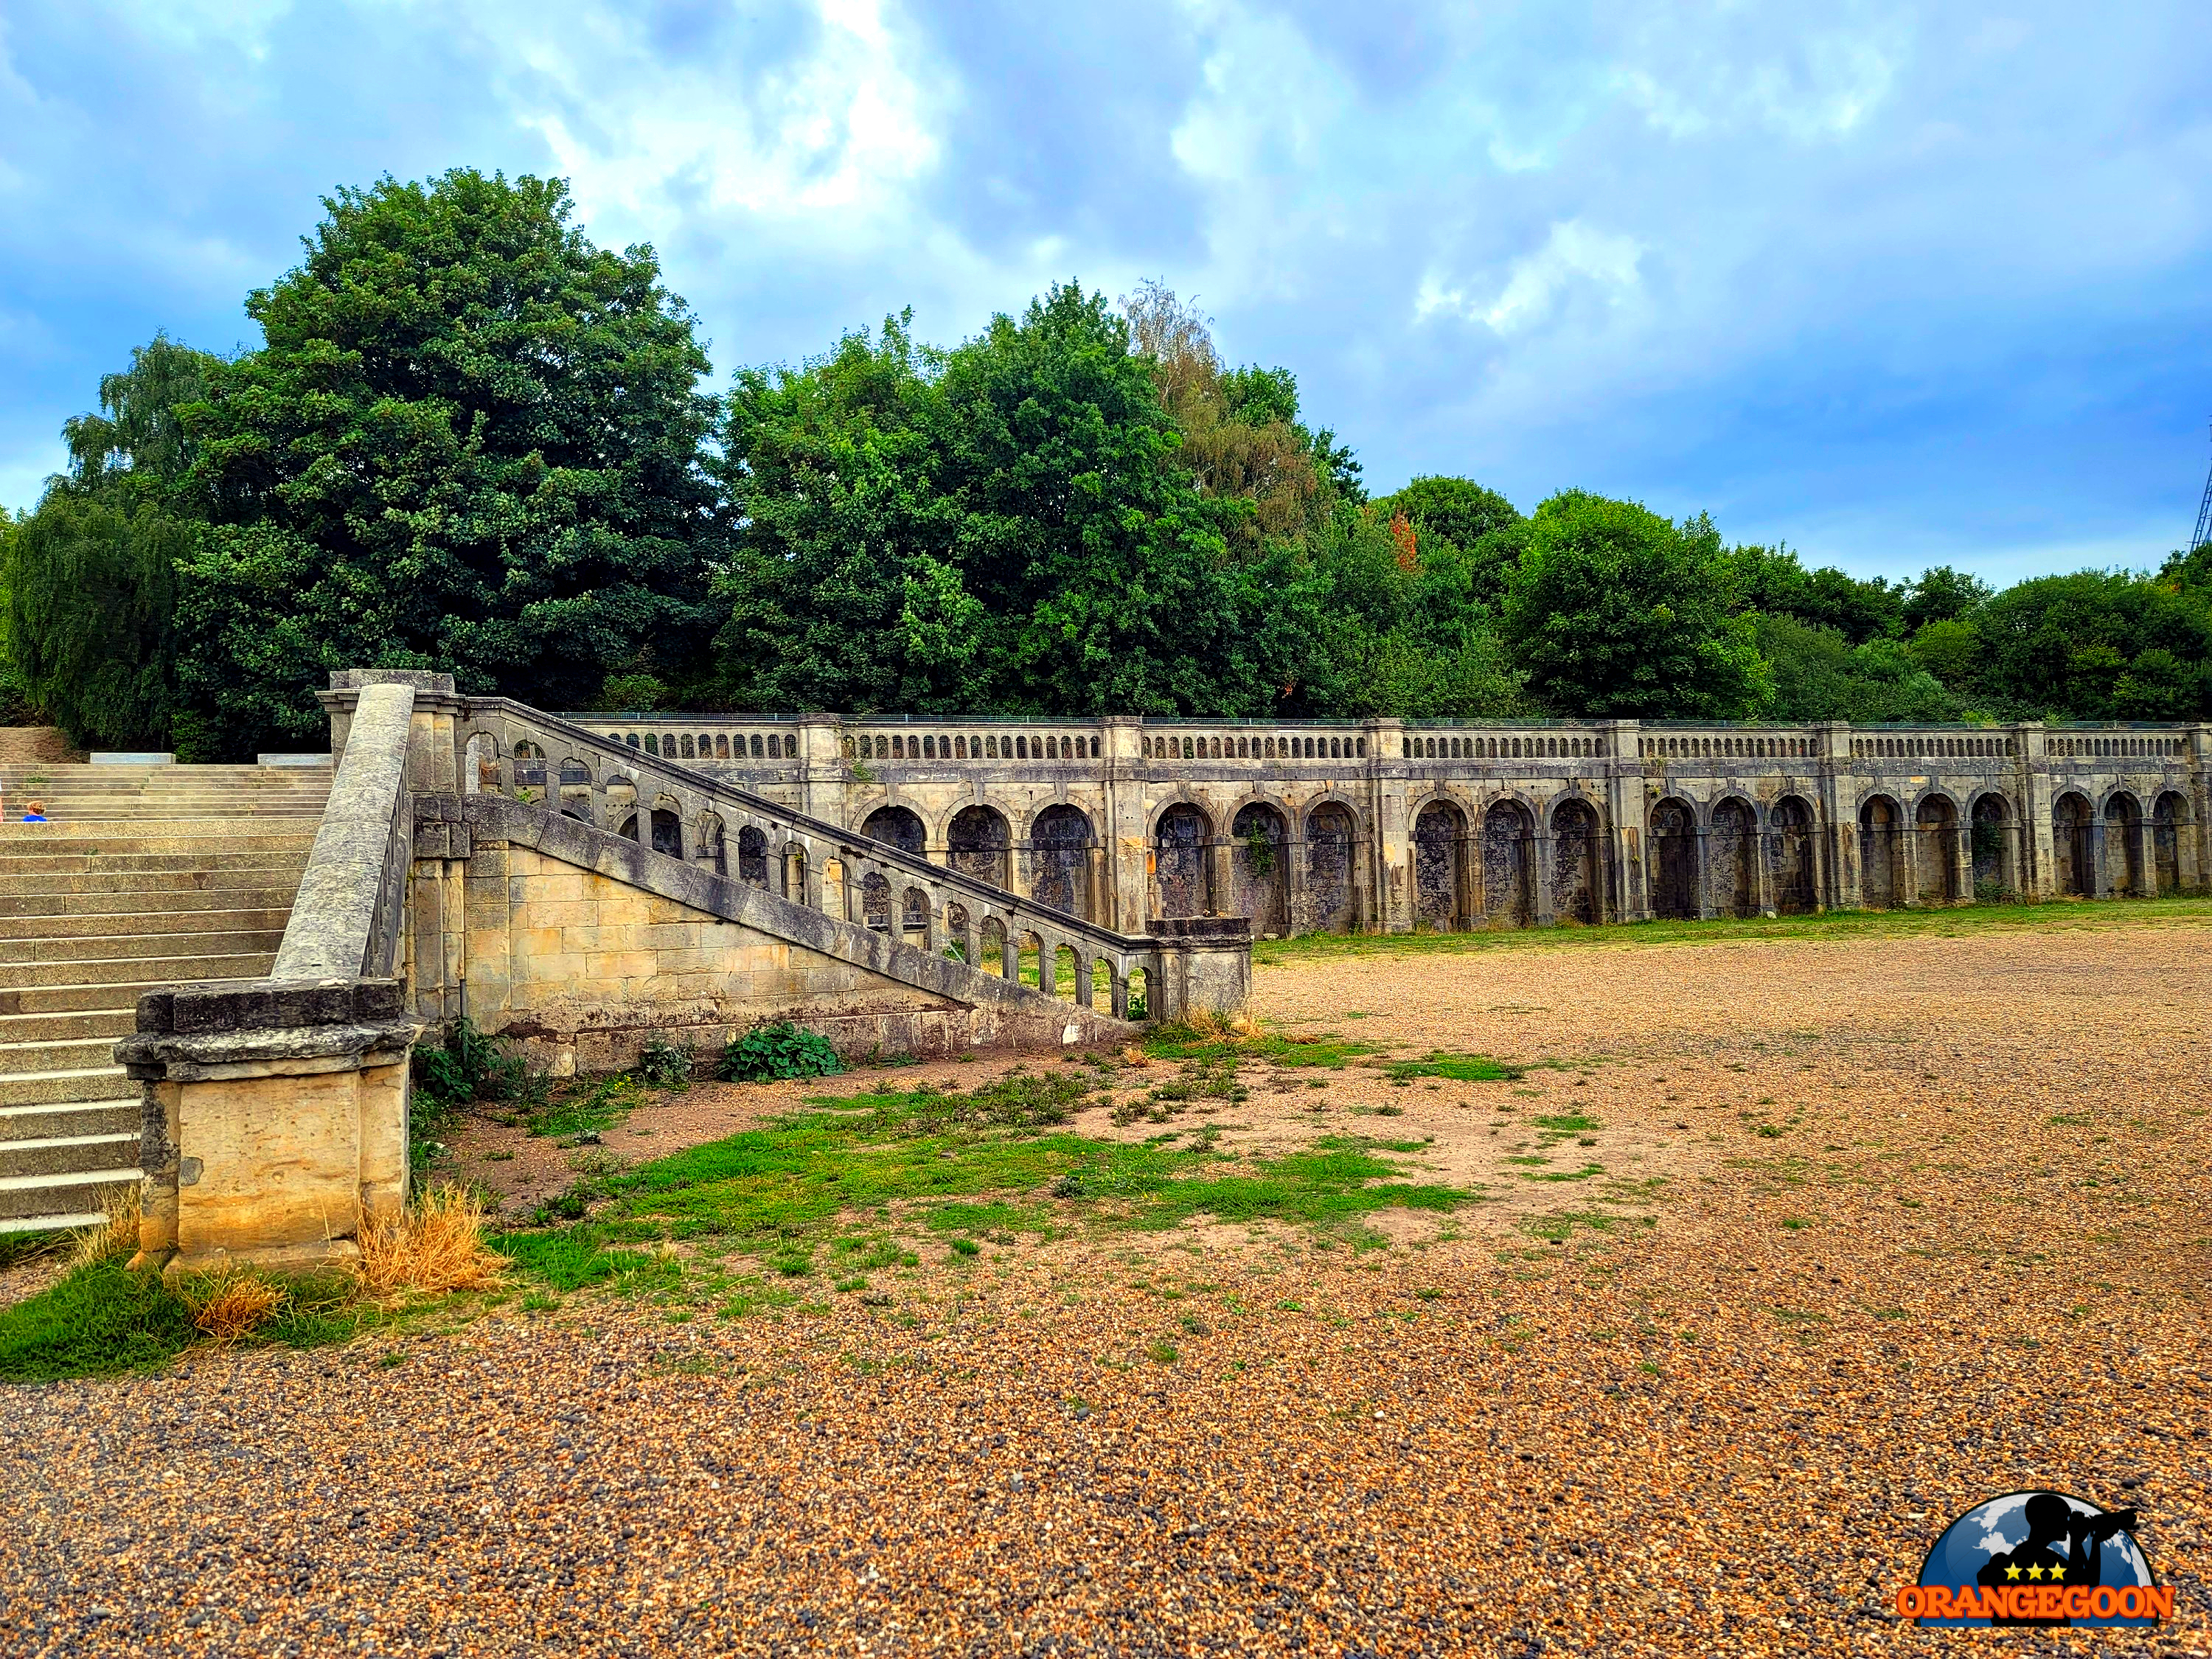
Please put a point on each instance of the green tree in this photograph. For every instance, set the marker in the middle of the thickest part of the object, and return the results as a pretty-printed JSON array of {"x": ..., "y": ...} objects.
[
  {"x": 1774, "y": 582},
  {"x": 1819, "y": 675},
  {"x": 2098, "y": 645},
  {"x": 89, "y": 578},
  {"x": 1006, "y": 525},
  {"x": 1942, "y": 594},
  {"x": 472, "y": 442},
  {"x": 1614, "y": 610}
]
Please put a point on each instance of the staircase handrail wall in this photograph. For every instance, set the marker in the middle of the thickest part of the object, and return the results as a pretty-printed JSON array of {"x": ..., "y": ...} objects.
[
  {"x": 477, "y": 710},
  {"x": 346, "y": 920}
]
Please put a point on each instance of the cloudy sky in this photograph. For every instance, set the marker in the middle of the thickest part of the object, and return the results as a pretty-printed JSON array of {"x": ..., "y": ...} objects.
[{"x": 1897, "y": 284}]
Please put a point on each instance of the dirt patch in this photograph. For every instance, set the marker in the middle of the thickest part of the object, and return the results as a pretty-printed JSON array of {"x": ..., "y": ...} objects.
[{"x": 27, "y": 745}]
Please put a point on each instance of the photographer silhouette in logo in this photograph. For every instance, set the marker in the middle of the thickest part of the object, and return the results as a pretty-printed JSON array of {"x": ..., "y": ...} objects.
[{"x": 2035, "y": 1561}]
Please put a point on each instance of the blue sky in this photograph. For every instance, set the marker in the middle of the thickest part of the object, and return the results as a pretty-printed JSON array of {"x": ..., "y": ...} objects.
[{"x": 1897, "y": 284}]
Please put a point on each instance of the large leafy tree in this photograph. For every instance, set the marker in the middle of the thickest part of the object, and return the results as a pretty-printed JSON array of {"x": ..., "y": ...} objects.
[
  {"x": 1614, "y": 610},
  {"x": 1004, "y": 524},
  {"x": 472, "y": 441},
  {"x": 2098, "y": 645},
  {"x": 89, "y": 578}
]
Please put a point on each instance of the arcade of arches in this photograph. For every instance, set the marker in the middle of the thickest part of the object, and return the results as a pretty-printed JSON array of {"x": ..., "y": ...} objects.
[{"x": 1391, "y": 829}]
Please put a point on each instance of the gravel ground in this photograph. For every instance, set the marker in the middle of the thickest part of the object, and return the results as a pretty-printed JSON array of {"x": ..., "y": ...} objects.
[{"x": 1934, "y": 1229}]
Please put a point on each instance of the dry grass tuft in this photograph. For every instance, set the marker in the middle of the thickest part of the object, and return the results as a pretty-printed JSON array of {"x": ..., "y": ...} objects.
[
  {"x": 1134, "y": 1055},
  {"x": 1236, "y": 1028},
  {"x": 435, "y": 1245},
  {"x": 116, "y": 1236},
  {"x": 231, "y": 1303}
]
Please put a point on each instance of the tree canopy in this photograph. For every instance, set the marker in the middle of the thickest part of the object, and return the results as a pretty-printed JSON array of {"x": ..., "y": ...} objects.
[{"x": 471, "y": 440}]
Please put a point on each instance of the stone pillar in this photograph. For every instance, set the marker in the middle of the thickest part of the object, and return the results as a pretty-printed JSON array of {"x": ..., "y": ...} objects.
[
  {"x": 1908, "y": 851},
  {"x": 2195, "y": 836},
  {"x": 1627, "y": 817},
  {"x": 1124, "y": 850},
  {"x": 2035, "y": 798},
  {"x": 1542, "y": 908},
  {"x": 1220, "y": 883},
  {"x": 275, "y": 1119},
  {"x": 1204, "y": 963},
  {"x": 1389, "y": 867},
  {"x": 2099, "y": 857},
  {"x": 1763, "y": 837},
  {"x": 1836, "y": 782},
  {"x": 1705, "y": 910},
  {"x": 822, "y": 768}
]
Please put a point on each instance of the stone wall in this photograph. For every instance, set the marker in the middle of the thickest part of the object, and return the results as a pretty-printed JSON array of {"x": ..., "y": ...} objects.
[
  {"x": 583, "y": 947},
  {"x": 1384, "y": 826}
]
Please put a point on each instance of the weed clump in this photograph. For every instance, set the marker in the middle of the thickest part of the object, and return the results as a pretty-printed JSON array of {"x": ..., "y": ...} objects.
[
  {"x": 231, "y": 1303},
  {"x": 768, "y": 1053},
  {"x": 433, "y": 1245}
]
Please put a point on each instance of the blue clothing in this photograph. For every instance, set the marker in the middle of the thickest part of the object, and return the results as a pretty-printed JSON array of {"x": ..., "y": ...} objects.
[{"x": 34, "y": 817}]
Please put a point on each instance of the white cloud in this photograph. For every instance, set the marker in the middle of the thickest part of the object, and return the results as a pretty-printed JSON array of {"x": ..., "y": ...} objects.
[{"x": 1574, "y": 256}]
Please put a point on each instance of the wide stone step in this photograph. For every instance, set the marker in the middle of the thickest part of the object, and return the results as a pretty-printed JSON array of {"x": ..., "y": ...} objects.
[
  {"x": 149, "y": 971},
  {"x": 177, "y": 863},
  {"x": 73, "y": 1199},
  {"x": 54, "y": 1088},
  {"x": 50, "y": 1120},
  {"x": 81, "y": 1025},
  {"x": 111, "y": 946},
  {"x": 132, "y": 924},
  {"x": 118, "y": 996},
  {"x": 66, "y": 1154},
  {"x": 61, "y": 840},
  {"x": 196, "y": 875},
  {"x": 49, "y": 1056},
  {"x": 129, "y": 901}
]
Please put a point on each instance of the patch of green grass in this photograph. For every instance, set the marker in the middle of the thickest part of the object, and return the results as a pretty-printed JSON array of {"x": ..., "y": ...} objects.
[
  {"x": 1461, "y": 1068},
  {"x": 100, "y": 1320},
  {"x": 1183, "y": 1043},
  {"x": 1568, "y": 1123},
  {"x": 1582, "y": 1173},
  {"x": 1832, "y": 924},
  {"x": 587, "y": 1109},
  {"x": 1163, "y": 1354}
]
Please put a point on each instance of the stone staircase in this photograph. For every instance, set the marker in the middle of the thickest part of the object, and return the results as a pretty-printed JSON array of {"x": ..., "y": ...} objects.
[{"x": 146, "y": 876}]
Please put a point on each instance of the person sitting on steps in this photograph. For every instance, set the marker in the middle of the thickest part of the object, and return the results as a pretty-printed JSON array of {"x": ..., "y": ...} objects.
[{"x": 37, "y": 813}]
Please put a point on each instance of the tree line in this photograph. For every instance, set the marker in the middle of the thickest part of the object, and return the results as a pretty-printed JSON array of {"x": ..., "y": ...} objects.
[{"x": 473, "y": 441}]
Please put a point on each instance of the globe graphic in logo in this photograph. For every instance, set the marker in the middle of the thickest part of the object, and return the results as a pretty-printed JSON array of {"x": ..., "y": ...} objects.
[{"x": 2043, "y": 1539}]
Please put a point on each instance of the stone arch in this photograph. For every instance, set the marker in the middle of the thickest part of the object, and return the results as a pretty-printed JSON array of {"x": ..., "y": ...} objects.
[
  {"x": 914, "y": 919},
  {"x": 900, "y": 826},
  {"x": 1508, "y": 860},
  {"x": 875, "y": 901},
  {"x": 978, "y": 841},
  {"x": 2124, "y": 848},
  {"x": 2169, "y": 815},
  {"x": 1061, "y": 840},
  {"x": 1181, "y": 880},
  {"x": 1674, "y": 876},
  {"x": 1332, "y": 900},
  {"x": 1440, "y": 864},
  {"x": 529, "y": 771},
  {"x": 1734, "y": 841},
  {"x": 574, "y": 784},
  {"x": 1992, "y": 841},
  {"x": 1793, "y": 860},
  {"x": 707, "y": 848},
  {"x": 2073, "y": 846},
  {"x": 991, "y": 949},
  {"x": 752, "y": 857},
  {"x": 1576, "y": 883},
  {"x": 667, "y": 829},
  {"x": 1936, "y": 825},
  {"x": 1881, "y": 828},
  {"x": 480, "y": 766},
  {"x": 1259, "y": 858}
]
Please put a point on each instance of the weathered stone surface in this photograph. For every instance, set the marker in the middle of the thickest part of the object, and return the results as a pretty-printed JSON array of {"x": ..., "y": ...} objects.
[{"x": 335, "y": 917}]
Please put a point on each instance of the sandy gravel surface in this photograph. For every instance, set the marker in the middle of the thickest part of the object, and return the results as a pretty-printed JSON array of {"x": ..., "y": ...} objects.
[{"x": 1935, "y": 1228}]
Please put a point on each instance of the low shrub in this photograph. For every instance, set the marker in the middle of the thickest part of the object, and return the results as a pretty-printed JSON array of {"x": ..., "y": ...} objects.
[{"x": 767, "y": 1052}]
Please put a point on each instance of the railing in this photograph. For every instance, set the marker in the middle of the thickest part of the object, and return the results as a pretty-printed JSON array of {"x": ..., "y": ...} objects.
[
  {"x": 810, "y": 860},
  {"x": 1893, "y": 744},
  {"x": 1485, "y": 741},
  {"x": 1724, "y": 743},
  {"x": 346, "y": 919}
]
